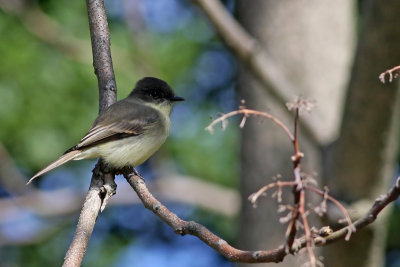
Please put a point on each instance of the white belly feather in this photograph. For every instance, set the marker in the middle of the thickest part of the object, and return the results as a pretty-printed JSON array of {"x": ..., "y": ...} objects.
[{"x": 131, "y": 151}]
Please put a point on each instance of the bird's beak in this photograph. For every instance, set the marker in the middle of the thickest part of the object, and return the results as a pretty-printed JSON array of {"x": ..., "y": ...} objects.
[{"x": 176, "y": 99}]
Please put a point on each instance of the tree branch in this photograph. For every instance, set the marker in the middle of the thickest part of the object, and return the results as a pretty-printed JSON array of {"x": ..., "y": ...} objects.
[
  {"x": 87, "y": 220},
  {"x": 102, "y": 61},
  {"x": 275, "y": 255},
  {"x": 102, "y": 184}
]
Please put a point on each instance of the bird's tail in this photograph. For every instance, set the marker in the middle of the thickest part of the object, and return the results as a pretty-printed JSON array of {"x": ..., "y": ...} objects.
[{"x": 63, "y": 159}]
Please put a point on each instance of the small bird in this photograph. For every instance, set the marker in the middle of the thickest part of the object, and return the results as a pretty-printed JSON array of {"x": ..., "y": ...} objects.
[{"x": 128, "y": 132}]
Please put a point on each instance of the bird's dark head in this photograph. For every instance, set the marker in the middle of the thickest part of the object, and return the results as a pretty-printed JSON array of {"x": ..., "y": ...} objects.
[{"x": 153, "y": 90}]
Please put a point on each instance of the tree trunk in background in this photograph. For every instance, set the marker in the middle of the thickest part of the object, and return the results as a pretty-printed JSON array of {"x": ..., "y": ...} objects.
[
  {"x": 311, "y": 43},
  {"x": 364, "y": 157}
]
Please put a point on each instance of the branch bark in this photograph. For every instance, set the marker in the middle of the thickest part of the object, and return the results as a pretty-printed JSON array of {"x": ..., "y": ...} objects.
[
  {"x": 102, "y": 185},
  {"x": 102, "y": 61},
  {"x": 233, "y": 254}
]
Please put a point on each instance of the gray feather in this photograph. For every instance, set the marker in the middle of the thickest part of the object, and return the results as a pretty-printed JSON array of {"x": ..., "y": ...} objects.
[
  {"x": 118, "y": 121},
  {"x": 63, "y": 159}
]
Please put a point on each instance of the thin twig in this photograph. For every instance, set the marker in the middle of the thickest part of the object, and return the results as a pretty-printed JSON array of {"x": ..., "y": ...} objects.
[
  {"x": 379, "y": 204},
  {"x": 308, "y": 235},
  {"x": 253, "y": 198},
  {"x": 393, "y": 73},
  {"x": 297, "y": 153},
  {"x": 247, "y": 112},
  {"x": 337, "y": 204},
  {"x": 291, "y": 230}
]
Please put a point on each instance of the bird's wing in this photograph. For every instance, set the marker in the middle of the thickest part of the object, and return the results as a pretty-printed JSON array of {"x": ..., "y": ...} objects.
[{"x": 119, "y": 121}]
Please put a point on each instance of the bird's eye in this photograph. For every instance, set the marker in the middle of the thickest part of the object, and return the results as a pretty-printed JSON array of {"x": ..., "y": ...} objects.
[{"x": 155, "y": 94}]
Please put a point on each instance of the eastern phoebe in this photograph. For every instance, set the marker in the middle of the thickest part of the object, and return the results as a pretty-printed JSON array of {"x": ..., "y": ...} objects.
[{"x": 128, "y": 132}]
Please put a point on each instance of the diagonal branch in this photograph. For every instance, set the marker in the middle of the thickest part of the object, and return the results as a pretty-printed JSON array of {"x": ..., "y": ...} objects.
[
  {"x": 87, "y": 219},
  {"x": 275, "y": 255},
  {"x": 102, "y": 186},
  {"x": 190, "y": 227},
  {"x": 380, "y": 203}
]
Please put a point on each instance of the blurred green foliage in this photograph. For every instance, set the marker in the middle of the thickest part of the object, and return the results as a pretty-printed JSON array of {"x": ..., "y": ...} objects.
[
  {"x": 49, "y": 98},
  {"x": 46, "y": 100}
]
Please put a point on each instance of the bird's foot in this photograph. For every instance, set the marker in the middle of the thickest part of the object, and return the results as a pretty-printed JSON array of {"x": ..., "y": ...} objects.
[
  {"x": 135, "y": 172},
  {"x": 130, "y": 171}
]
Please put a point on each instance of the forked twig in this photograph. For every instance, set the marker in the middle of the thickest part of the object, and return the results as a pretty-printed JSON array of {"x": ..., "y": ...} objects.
[
  {"x": 299, "y": 183},
  {"x": 339, "y": 205},
  {"x": 247, "y": 112},
  {"x": 253, "y": 198}
]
